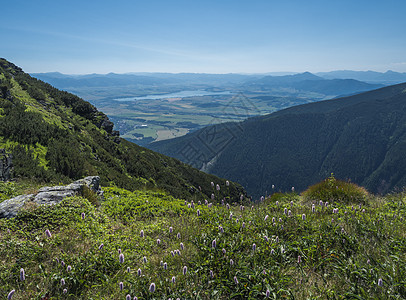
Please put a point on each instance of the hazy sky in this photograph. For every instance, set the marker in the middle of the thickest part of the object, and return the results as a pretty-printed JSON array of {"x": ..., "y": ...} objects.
[{"x": 211, "y": 36}]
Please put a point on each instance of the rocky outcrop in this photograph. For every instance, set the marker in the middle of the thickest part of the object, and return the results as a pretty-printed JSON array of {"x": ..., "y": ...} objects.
[
  {"x": 6, "y": 165},
  {"x": 49, "y": 195}
]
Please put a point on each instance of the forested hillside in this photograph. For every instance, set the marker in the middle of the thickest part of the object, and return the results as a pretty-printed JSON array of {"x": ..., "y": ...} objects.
[
  {"x": 56, "y": 136},
  {"x": 361, "y": 138}
]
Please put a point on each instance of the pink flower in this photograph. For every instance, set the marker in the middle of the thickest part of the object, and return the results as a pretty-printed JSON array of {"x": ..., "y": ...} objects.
[
  {"x": 152, "y": 287},
  {"x": 48, "y": 233},
  {"x": 121, "y": 258}
]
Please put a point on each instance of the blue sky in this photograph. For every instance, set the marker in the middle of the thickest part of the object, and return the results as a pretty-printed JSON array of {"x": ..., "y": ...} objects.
[{"x": 220, "y": 36}]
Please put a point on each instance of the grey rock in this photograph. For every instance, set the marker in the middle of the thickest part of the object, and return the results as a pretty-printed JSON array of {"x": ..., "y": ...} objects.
[
  {"x": 9, "y": 208},
  {"x": 49, "y": 195}
]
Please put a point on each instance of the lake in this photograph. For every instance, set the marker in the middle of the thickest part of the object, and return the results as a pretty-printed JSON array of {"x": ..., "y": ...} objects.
[{"x": 181, "y": 94}]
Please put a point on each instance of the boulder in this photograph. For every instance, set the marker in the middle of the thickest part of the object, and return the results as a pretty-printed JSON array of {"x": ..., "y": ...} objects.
[{"x": 49, "y": 195}]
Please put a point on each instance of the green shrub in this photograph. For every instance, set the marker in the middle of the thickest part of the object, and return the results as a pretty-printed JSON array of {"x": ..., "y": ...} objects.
[{"x": 334, "y": 190}]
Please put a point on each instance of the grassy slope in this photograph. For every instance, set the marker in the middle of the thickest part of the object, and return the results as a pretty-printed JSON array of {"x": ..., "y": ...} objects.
[
  {"x": 343, "y": 255},
  {"x": 56, "y": 136}
]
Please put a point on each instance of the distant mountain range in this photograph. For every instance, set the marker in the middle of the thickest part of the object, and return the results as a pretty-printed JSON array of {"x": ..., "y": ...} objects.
[
  {"x": 361, "y": 138},
  {"x": 309, "y": 82},
  {"x": 387, "y": 78}
]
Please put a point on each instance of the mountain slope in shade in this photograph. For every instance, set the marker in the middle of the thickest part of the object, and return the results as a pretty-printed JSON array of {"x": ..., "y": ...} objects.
[
  {"x": 361, "y": 138},
  {"x": 57, "y": 136}
]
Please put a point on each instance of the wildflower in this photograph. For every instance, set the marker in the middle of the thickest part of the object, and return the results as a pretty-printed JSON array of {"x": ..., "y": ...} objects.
[
  {"x": 254, "y": 247},
  {"x": 178, "y": 235},
  {"x": 62, "y": 281},
  {"x": 326, "y": 204},
  {"x": 62, "y": 263},
  {"x": 380, "y": 282},
  {"x": 184, "y": 270},
  {"x": 144, "y": 259},
  {"x": 224, "y": 251},
  {"x": 182, "y": 246},
  {"x": 65, "y": 291},
  {"x": 363, "y": 210},
  {"x": 128, "y": 297},
  {"x": 243, "y": 225},
  {"x": 172, "y": 253},
  {"x": 142, "y": 233},
  {"x": 231, "y": 262},
  {"x": 211, "y": 274},
  {"x": 212, "y": 197},
  {"x": 165, "y": 266},
  {"x": 121, "y": 258},
  {"x": 235, "y": 280},
  {"x": 262, "y": 198},
  {"x": 277, "y": 239},
  {"x": 266, "y": 218},
  {"x": 227, "y": 183},
  {"x": 206, "y": 202},
  {"x": 266, "y": 239},
  {"x": 139, "y": 272},
  {"x": 22, "y": 274},
  {"x": 273, "y": 186},
  {"x": 101, "y": 246},
  {"x": 285, "y": 211},
  {"x": 210, "y": 205},
  {"x": 321, "y": 203},
  {"x": 299, "y": 259},
  {"x": 231, "y": 216},
  {"x": 267, "y": 293},
  {"x": 152, "y": 287},
  {"x": 242, "y": 197},
  {"x": 272, "y": 251},
  {"x": 198, "y": 212},
  {"x": 173, "y": 279},
  {"x": 177, "y": 252},
  {"x": 69, "y": 268},
  {"x": 121, "y": 285},
  {"x": 10, "y": 295},
  {"x": 135, "y": 298},
  {"x": 119, "y": 251},
  {"x": 212, "y": 184},
  {"x": 170, "y": 229},
  {"x": 304, "y": 217},
  {"x": 189, "y": 205},
  {"x": 313, "y": 208},
  {"x": 48, "y": 233},
  {"x": 222, "y": 201},
  {"x": 228, "y": 206},
  {"x": 289, "y": 213},
  {"x": 221, "y": 229},
  {"x": 241, "y": 207},
  {"x": 264, "y": 272},
  {"x": 213, "y": 244},
  {"x": 217, "y": 187},
  {"x": 280, "y": 220},
  {"x": 128, "y": 269}
]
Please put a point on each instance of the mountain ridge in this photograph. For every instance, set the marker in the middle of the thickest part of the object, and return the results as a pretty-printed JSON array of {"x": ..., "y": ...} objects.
[
  {"x": 358, "y": 137},
  {"x": 57, "y": 136}
]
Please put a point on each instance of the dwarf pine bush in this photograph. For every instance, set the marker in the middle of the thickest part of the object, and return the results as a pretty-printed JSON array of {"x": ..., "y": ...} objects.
[{"x": 334, "y": 190}]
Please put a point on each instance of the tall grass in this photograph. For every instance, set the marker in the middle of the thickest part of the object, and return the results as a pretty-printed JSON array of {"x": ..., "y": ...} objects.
[{"x": 339, "y": 251}]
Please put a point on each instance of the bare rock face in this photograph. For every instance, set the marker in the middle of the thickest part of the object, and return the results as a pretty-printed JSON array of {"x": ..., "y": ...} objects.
[{"x": 49, "y": 195}]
